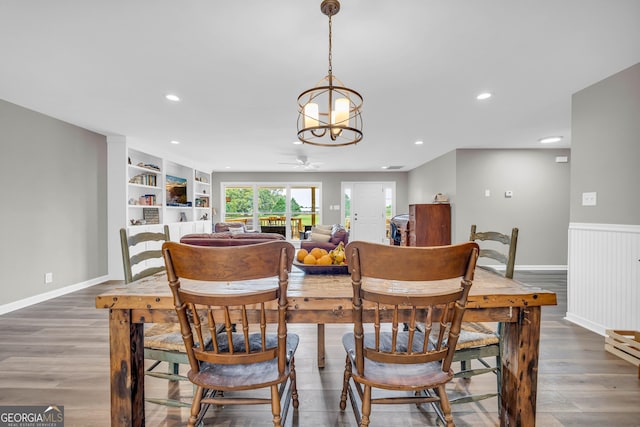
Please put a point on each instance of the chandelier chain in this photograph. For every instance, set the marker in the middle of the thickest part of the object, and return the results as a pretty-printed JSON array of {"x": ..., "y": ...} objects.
[{"x": 330, "y": 47}]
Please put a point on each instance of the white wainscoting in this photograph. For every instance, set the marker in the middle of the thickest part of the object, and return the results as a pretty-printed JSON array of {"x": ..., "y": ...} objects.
[{"x": 603, "y": 282}]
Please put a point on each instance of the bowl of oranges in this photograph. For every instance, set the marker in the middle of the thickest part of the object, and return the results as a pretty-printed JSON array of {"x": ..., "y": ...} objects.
[{"x": 321, "y": 261}]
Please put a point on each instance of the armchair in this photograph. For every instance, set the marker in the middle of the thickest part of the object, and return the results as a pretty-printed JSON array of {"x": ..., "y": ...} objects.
[{"x": 325, "y": 236}]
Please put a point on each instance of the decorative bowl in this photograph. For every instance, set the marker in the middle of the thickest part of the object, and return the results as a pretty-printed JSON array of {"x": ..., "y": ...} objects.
[{"x": 322, "y": 269}]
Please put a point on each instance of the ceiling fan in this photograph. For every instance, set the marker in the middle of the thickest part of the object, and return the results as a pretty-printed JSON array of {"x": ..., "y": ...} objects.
[{"x": 303, "y": 162}]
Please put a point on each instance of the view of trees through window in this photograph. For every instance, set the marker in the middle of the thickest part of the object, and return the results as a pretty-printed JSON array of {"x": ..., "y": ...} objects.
[{"x": 287, "y": 210}]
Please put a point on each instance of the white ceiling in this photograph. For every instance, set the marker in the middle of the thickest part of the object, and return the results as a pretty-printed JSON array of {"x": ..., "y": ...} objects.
[{"x": 239, "y": 67}]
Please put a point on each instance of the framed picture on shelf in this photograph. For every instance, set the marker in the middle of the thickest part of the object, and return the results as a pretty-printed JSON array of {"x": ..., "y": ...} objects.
[
  {"x": 151, "y": 215},
  {"x": 176, "y": 191}
]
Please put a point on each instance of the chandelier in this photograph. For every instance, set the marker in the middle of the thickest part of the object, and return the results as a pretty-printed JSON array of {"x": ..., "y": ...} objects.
[{"x": 329, "y": 113}]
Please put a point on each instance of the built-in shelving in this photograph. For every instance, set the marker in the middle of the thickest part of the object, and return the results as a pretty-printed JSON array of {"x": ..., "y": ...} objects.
[
  {"x": 160, "y": 191},
  {"x": 137, "y": 197},
  {"x": 202, "y": 195},
  {"x": 144, "y": 188}
]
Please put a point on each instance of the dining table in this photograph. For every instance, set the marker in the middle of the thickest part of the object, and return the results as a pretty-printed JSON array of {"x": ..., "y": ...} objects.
[{"x": 324, "y": 299}]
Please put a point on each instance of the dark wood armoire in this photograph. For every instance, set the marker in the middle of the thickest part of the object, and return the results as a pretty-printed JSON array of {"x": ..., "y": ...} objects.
[{"x": 429, "y": 224}]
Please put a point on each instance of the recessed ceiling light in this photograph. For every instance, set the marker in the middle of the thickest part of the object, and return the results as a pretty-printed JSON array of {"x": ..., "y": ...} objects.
[
  {"x": 484, "y": 95},
  {"x": 550, "y": 139},
  {"x": 175, "y": 142},
  {"x": 385, "y": 167},
  {"x": 227, "y": 167},
  {"x": 172, "y": 97},
  {"x": 297, "y": 142},
  {"x": 419, "y": 142}
]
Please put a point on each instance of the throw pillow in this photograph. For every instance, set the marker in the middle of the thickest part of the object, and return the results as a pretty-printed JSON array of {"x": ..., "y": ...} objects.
[
  {"x": 319, "y": 237},
  {"x": 236, "y": 230},
  {"x": 321, "y": 230},
  {"x": 338, "y": 236}
]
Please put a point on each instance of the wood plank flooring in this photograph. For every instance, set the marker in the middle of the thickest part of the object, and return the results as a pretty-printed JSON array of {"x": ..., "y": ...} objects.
[{"x": 57, "y": 352}]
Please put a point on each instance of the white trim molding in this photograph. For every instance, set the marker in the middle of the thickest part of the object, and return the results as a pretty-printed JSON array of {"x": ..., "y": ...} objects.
[
  {"x": 26, "y": 302},
  {"x": 502, "y": 267},
  {"x": 620, "y": 228}
]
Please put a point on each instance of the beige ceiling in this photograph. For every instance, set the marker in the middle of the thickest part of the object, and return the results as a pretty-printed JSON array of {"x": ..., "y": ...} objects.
[{"x": 239, "y": 66}]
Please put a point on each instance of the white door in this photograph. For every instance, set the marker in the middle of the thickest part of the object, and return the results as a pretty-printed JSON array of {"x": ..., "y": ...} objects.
[{"x": 368, "y": 212}]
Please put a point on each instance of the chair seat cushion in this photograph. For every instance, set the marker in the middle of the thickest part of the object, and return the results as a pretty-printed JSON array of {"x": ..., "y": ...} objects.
[
  {"x": 394, "y": 375},
  {"x": 255, "y": 342},
  {"x": 244, "y": 376},
  {"x": 167, "y": 336},
  {"x": 476, "y": 334},
  {"x": 472, "y": 334},
  {"x": 164, "y": 336}
]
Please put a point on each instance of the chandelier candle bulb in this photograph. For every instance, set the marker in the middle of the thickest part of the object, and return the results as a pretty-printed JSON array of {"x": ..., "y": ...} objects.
[
  {"x": 342, "y": 112},
  {"x": 335, "y": 131},
  {"x": 310, "y": 115}
]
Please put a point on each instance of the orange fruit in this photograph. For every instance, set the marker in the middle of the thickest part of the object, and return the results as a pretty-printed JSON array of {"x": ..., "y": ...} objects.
[
  {"x": 316, "y": 252},
  {"x": 309, "y": 259},
  {"x": 323, "y": 251},
  {"x": 324, "y": 260},
  {"x": 301, "y": 254}
]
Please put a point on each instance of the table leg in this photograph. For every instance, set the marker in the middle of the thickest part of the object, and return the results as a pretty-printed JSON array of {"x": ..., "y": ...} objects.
[
  {"x": 520, "y": 369},
  {"x": 320, "y": 345},
  {"x": 127, "y": 369}
]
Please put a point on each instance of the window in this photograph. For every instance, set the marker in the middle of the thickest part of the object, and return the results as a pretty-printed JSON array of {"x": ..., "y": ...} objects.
[{"x": 288, "y": 209}]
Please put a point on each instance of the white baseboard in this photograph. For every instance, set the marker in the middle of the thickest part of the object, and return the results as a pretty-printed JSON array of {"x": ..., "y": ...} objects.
[
  {"x": 501, "y": 267},
  {"x": 586, "y": 323},
  {"x": 26, "y": 302}
]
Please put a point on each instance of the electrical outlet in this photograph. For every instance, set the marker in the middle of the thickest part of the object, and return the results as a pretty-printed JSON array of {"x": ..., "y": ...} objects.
[
  {"x": 487, "y": 193},
  {"x": 589, "y": 199},
  {"x": 508, "y": 194},
  {"x": 48, "y": 278}
]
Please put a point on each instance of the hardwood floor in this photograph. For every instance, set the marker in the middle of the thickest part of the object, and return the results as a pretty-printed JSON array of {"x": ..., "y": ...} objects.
[{"x": 57, "y": 352}]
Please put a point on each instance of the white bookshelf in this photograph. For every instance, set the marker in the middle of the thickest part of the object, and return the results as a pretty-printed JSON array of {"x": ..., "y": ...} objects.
[
  {"x": 137, "y": 197},
  {"x": 160, "y": 191}
]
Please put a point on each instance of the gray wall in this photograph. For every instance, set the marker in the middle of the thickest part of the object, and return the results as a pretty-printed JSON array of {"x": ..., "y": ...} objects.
[
  {"x": 436, "y": 176},
  {"x": 539, "y": 206},
  {"x": 54, "y": 205},
  {"x": 331, "y": 186},
  {"x": 606, "y": 150}
]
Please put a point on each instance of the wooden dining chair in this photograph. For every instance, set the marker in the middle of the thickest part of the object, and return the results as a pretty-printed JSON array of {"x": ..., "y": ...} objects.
[
  {"x": 253, "y": 358},
  {"x": 142, "y": 257},
  {"x": 142, "y": 253},
  {"x": 505, "y": 253},
  {"x": 398, "y": 284},
  {"x": 477, "y": 340}
]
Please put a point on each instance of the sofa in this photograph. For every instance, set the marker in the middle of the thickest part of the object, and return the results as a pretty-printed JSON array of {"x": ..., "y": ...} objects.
[
  {"x": 239, "y": 227},
  {"x": 325, "y": 237},
  {"x": 229, "y": 234}
]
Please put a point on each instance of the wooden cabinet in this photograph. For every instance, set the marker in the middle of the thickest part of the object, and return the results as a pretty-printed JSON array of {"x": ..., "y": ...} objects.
[{"x": 429, "y": 224}]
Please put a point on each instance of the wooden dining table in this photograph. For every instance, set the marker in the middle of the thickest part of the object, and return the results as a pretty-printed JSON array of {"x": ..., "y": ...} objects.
[{"x": 322, "y": 299}]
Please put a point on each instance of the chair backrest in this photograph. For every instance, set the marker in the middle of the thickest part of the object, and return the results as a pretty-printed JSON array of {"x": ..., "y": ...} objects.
[
  {"x": 506, "y": 257},
  {"x": 201, "y": 312},
  {"x": 419, "y": 302},
  {"x": 136, "y": 259}
]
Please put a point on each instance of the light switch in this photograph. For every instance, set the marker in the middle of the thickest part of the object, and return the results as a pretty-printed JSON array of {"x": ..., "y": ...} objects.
[
  {"x": 589, "y": 199},
  {"x": 487, "y": 193}
]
